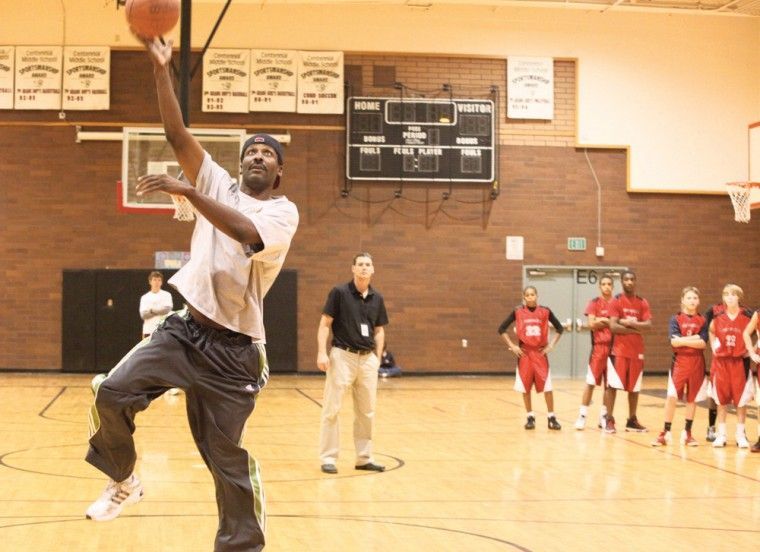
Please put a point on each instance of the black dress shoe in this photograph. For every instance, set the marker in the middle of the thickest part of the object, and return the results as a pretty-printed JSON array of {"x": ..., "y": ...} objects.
[
  {"x": 371, "y": 467},
  {"x": 329, "y": 468}
]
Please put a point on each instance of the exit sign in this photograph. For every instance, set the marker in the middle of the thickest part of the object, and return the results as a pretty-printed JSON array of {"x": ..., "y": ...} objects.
[{"x": 576, "y": 244}]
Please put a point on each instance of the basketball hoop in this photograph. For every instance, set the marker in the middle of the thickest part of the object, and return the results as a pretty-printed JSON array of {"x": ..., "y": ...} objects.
[
  {"x": 739, "y": 192},
  {"x": 183, "y": 209}
]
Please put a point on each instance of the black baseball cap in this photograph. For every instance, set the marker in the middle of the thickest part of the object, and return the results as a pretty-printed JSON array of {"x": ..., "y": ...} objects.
[
  {"x": 272, "y": 143},
  {"x": 264, "y": 139}
]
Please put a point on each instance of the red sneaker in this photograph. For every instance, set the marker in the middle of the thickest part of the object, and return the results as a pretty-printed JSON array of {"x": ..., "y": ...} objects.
[
  {"x": 663, "y": 439},
  {"x": 688, "y": 440},
  {"x": 610, "y": 427}
]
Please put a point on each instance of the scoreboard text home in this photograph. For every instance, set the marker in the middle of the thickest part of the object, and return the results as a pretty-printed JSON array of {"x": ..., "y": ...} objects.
[{"x": 430, "y": 140}]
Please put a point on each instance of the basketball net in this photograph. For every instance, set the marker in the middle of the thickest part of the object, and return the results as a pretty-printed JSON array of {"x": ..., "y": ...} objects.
[
  {"x": 183, "y": 209},
  {"x": 739, "y": 193}
]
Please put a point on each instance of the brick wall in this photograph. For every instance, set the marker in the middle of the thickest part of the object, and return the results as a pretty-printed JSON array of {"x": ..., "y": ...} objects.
[{"x": 439, "y": 263}]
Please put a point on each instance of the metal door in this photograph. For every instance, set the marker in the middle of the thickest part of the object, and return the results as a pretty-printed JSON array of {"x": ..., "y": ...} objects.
[{"x": 566, "y": 291}]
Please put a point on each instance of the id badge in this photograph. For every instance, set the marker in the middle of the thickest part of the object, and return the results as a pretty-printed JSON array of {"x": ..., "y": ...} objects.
[{"x": 364, "y": 329}]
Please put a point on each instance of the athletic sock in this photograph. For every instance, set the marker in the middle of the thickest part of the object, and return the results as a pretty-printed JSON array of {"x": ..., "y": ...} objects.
[
  {"x": 712, "y": 416},
  {"x": 531, "y": 414},
  {"x": 668, "y": 425},
  {"x": 740, "y": 429},
  {"x": 550, "y": 415},
  {"x": 584, "y": 410},
  {"x": 722, "y": 429},
  {"x": 688, "y": 425}
]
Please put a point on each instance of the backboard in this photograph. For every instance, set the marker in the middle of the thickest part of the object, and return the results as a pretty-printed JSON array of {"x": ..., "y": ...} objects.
[{"x": 146, "y": 151}]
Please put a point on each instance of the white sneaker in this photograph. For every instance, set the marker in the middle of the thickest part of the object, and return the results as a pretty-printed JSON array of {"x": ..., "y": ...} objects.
[
  {"x": 720, "y": 441},
  {"x": 117, "y": 495},
  {"x": 741, "y": 441},
  {"x": 580, "y": 423}
]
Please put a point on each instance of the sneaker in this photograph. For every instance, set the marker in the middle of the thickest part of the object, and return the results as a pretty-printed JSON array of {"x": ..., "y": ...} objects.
[
  {"x": 609, "y": 427},
  {"x": 531, "y": 423},
  {"x": 114, "y": 498},
  {"x": 720, "y": 441},
  {"x": 664, "y": 438},
  {"x": 580, "y": 423},
  {"x": 741, "y": 441},
  {"x": 711, "y": 434},
  {"x": 553, "y": 423},
  {"x": 633, "y": 425},
  {"x": 756, "y": 446},
  {"x": 687, "y": 439}
]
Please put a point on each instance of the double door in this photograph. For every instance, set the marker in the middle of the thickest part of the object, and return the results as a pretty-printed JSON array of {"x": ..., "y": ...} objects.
[{"x": 567, "y": 291}]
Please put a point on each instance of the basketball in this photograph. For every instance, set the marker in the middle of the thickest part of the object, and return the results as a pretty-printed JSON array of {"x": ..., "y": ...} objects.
[{"x": 150, "y": 18}]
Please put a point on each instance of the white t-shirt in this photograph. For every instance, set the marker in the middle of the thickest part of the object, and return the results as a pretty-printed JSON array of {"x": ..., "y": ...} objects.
[
  {"x": 224, "y": 279},
  {"x": 158, "y": 301}
]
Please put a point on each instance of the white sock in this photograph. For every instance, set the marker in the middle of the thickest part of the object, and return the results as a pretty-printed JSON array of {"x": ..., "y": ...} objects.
[
  {"x": 603, "y": 411},
  {"x": 740, "y": 429},
  {"x": 531, "y": 414},
  {"x": 722, "y": 429},
  {"x": 584, "y": 410},
  {"x": 550, "y": 415}
]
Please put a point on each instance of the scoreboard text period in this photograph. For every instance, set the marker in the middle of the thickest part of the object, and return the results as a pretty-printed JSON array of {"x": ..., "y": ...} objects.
[{"x": 430, "y": 140}]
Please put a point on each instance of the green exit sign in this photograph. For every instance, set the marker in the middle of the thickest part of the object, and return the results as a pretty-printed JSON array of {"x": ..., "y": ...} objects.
[{"x": 576, "y": 244}]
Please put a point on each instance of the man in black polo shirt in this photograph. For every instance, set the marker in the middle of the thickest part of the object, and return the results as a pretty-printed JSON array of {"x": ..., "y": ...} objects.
[{"x": 355, "y": 313}]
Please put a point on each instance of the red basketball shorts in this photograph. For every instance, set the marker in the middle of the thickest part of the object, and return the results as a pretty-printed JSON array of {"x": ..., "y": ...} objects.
[
  {"x": 731, "y": 381},
  {"x": 686, "y": 377},
  {"x": 533, "y": 369},
  {"x": 597, "y": 363},
  {"x": 625, "y": 373}
]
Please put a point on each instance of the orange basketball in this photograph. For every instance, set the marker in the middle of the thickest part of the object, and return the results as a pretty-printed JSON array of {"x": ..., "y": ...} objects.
[{"x": 151, "y": 18}]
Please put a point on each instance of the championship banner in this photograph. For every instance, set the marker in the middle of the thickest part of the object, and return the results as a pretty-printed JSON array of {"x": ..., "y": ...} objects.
[
  {"x": 38, "y": 77},
  {"x": 273, "y": 80},
  {"x": 530, "y": 88},
  {"x": 86, "y": 78},
  {"x": 320, "y": 82},
  {"x": 7, "y": 62},
  {"x": 225, "y": 80}
]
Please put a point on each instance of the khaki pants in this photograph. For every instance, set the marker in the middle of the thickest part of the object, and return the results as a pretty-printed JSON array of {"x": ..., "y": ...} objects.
[{"x": 358, "y": 373}]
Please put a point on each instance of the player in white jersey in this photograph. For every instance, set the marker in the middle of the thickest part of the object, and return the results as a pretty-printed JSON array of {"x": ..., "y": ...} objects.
[
  {"x": 155, "y": 304},
  {"x": 214, "y": 350}
]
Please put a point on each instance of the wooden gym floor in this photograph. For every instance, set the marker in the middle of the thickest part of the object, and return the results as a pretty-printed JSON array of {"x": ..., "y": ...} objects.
[{"x": 461, "y": 474}]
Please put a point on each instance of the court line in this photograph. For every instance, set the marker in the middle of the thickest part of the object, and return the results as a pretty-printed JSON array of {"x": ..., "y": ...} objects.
[
  {"x": 41, "y": 414},
  {"x": 384, "y": 519},
  {"x": 298, "y": 516},
  {"x": 312, "y": 399}
]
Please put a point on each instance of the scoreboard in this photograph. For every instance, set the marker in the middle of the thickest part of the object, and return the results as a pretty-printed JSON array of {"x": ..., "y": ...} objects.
[{"x": 413, "y": 139}]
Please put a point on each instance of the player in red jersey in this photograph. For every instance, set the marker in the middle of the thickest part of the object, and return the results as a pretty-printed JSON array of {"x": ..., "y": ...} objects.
[
  {"x": 598, "y": 313},
  {"x": 729, "y": 373},
  {"x": 712, "y": 408},
  {"x": 688, "y": 337},
  {"x": 532, "y": 328},
  {"x": 754, "y": 327},
  {"x": 629, "y": 317}
]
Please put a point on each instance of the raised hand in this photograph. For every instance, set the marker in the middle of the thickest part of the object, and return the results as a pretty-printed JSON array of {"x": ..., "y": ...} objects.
[
  {"x": 161, "y": 183},
  {"x": 160, "y": 52}
]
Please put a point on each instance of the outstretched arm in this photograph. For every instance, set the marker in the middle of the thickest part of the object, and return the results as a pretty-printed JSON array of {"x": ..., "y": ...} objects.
[{"x": 187, "y": 149}]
